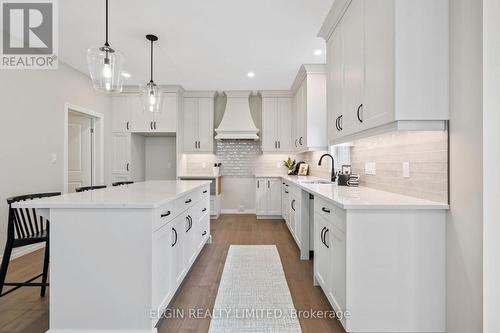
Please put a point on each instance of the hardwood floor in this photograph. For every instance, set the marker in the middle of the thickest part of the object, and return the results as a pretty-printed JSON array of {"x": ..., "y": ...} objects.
[{"x": 24, "y": 311}]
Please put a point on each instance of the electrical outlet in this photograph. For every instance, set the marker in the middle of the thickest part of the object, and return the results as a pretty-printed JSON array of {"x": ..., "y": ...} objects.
[
  {"x": 370, "y": 168},
  {"x": 406, "y": 169}
]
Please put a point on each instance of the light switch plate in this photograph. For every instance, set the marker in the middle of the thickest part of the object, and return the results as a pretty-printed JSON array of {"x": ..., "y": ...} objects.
[
  {"x": 370, "y": 168},
  {"x": 406, "y": 169}
]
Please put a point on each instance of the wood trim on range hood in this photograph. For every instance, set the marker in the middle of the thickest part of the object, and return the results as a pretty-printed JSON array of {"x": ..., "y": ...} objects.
[{"x": 237, "y": 122}]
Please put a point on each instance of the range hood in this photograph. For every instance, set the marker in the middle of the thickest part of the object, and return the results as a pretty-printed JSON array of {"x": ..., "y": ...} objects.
[{"x": 237, "y": 122}]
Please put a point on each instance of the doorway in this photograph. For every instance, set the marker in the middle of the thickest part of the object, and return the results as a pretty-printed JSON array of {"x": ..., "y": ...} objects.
[
  {"x": 80, "y": 151},
  {"x": 83, "y": 160}
]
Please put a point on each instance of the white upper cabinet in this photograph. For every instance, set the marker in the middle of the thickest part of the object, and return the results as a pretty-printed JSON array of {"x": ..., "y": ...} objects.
[
  {"x": 276, "y": 121},
  {"x": 129, "y": 116},
  {"x": 198, "y": 122},
  {"x": 309, "y": 111},
  {"x": 387, "y": 67}
]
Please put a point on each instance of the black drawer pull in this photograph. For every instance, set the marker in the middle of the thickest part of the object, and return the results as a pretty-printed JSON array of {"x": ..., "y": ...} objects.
[
  {"x": 204, "y": 233},
  {"x": 203, "y": 210},
  {"x": 175, "y": 233},
  {"x": 286, "y": 192},
  {"x": 326, "y": 210},
  {"x": 324, "y": 238},
  {"x": 166, "y": 214},
  {"x": 205, "y": 191},
  {"x": 187, "y": 201}
]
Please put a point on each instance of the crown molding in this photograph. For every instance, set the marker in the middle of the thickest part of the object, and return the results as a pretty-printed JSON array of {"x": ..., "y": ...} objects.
[
  {"x": 304, "y": 70},
  {"x": 333, "y": 18},
  {"x": 200, "y": 93},
  {"x": 275, "y": 93}
]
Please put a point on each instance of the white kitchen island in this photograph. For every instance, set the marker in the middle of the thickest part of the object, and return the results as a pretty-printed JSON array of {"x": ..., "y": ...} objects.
[{"x": 119, "y": 254}]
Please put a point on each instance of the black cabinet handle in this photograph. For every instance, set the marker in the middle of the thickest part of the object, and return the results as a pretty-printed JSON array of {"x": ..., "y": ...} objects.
[
  {"x": 204, "y": 233},
  {"x": 286, "y": 185},
  {"x": 286, "y": 192},
  {"x": 205, "y": 191},
  {"x": 268, "y": 184},
  {"x": 175, "y": 233},
  {"x": 324, "y": 238},
  {"x": 295, "y": 142},
  {"x": 258, "y": 184},
  {"x": 128, "y": 126},
  {"x": 187, "y": 201},
  {"x": 300, "y": 141},
  {"x": 166, "y": 214},
  {"x": 154, "y": 125},
  {"x": 151, "y": 125},
  {"x": 359, "y": 109},
  {"x": 340, "y": 122},
  {"x": 326, "y": 210},
  {"x": 337, "y": 123},
  {"x": 203, "y": 210},
  {"x": 190, "y": 223},
  {"x": 293, "y": 205},
  {"x": 128, "y": 166},
  {"x": 279, "y": 144}
]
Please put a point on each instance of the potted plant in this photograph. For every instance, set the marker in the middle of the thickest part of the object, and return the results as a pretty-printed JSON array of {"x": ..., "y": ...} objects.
[{"x": 290, "y": 165}]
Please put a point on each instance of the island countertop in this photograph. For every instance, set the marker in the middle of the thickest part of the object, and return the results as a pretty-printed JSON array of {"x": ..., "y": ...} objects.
[{"x": 142, "y": 195}]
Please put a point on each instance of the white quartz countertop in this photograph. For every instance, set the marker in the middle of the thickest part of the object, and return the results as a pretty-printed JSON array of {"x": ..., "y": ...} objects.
[
  {"x": 360, "y": 197},
  {"x": 149, "y": 194},
  {"x": 207, "y": 176}
]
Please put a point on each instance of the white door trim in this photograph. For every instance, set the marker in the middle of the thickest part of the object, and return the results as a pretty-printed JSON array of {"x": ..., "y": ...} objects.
[{"x": 98, "y": 168}]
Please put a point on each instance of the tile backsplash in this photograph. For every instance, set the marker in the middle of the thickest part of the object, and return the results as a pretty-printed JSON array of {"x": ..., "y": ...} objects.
[
  {"x": 425, "y": 152},
  {"x": 239, "y": 158}
]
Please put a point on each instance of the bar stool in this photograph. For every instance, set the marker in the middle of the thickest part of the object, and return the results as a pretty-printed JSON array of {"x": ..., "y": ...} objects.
[
  {"x": 122, "y": 183},
  {"x": 25, "y": 227},
  {"x": 89, "y": 188}
]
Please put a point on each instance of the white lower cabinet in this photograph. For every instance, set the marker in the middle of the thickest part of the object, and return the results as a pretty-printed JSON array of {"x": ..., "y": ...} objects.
[
  {"x": 384, "y": 270},
  {"x": 268, "y": 197},
  {"x": 177, "y": 243},
  {"x": 295, "y": 211}
]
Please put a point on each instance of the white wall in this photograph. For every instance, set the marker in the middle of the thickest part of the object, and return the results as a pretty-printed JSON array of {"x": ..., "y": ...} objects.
[
  {"x": 160, "y": 158},
  {"x": 32, "y": 129},
  {"x": 465, "y": 227},
  {"x": 491, "y": 161}
]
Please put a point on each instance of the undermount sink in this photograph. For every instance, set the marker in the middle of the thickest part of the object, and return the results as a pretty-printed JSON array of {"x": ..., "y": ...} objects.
[{"x": 315, "y": 182}]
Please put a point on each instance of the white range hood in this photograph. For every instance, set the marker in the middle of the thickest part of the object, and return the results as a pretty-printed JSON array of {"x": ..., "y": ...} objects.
[{"x": 237, "y": 122}]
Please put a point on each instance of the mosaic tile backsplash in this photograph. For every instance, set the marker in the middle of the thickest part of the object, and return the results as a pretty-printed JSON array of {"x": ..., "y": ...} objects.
[{"x": 239, "y": 158}]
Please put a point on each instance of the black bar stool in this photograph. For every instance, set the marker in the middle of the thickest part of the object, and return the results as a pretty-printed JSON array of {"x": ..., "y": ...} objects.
[
  {"x": 122, "y": 183},
  {"x": 89, "y": 188},
  {"x": 25, "y": 227}
]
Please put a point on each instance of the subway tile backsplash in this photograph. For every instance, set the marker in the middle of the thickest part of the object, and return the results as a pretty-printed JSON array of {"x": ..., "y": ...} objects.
[{"x": 426, "y": 153}]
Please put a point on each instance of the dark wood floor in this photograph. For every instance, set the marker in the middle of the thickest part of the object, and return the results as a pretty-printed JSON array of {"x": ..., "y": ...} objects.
[{"x": 24, "y": 311}]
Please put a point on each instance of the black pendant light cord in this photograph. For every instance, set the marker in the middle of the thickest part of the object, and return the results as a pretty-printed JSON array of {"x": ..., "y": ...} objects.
[
  {"x": 107, "y": 42},
  {"x": 151, "y": 62}
]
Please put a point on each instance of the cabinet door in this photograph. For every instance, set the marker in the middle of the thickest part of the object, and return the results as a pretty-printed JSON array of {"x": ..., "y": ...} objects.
[
  {"x": 303, "y": 117},
  {"x": 284, "y": 124},
  {"x": 293, "y": 203},
  {"x": 190, "y": 124},
  {"x": 177, "y": 233},
  {"x": 284, "y": 196},
  {"x": 190, "y": 237},
  {"x": 270, "y": 124},
  {"x": 206, "y": 125},
  {"x": 336, "y": 240},
  {"x": 142, "y": 121},
  {"x": 353, "y": 39},
  {"x": 261, "y": 196},
  {"x": 378, "y": 104},
  {"x": 320, "y": 252},
  {"x": 121, "y": 153},
  {"x": 298, "y": 221},
  {"x": 162, "y": 259},
  {"x": 166, "y": 119},
  {"x": 274, "y": 196},
  {"x": 335, "y": 82},
  {"x": 122, "y": 113}
]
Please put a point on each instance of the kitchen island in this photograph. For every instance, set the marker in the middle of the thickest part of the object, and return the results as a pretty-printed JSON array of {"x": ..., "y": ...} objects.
[{"x": 119, "y": 254}]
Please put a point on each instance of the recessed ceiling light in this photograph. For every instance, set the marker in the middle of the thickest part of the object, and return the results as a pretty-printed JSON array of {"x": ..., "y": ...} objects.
[
  {"x": 251, "y": 74},
  {"x": 318, "y": 52},
  {"x": 126, "y": 74}
]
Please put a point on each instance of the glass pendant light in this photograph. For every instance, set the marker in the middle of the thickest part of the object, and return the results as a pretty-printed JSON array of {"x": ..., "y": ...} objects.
[
  {"x": 151, "y": 95},
  {"x": 106, "y": 65}
]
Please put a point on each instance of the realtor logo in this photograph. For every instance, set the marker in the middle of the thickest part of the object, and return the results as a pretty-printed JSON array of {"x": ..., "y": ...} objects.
[{"x": 29, "y": 38}]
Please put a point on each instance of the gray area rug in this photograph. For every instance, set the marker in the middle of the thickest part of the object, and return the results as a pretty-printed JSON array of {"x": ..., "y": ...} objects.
[{"x": 253, "y": 294}]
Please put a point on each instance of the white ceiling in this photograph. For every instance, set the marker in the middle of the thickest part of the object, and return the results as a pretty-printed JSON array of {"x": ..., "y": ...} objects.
[{"x": 203, "y": 44}]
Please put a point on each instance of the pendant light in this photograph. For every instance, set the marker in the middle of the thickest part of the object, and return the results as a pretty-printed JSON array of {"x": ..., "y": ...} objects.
[
  {"x": 151, "y": 95},
  {"x": 106, "y": 65}
]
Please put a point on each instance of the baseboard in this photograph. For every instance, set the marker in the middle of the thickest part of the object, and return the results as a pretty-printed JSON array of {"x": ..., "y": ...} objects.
[
  {"x": 21, "y": 251},
  {"x": 269, "y": 217},
  {"x": 237, "y": 211}
]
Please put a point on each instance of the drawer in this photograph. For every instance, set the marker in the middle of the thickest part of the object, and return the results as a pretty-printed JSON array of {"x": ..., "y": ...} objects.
[
  {"x": 295, "y": 190},
  {"x": 164, "y": 214},
  {"x": 330, "y": 212}
]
